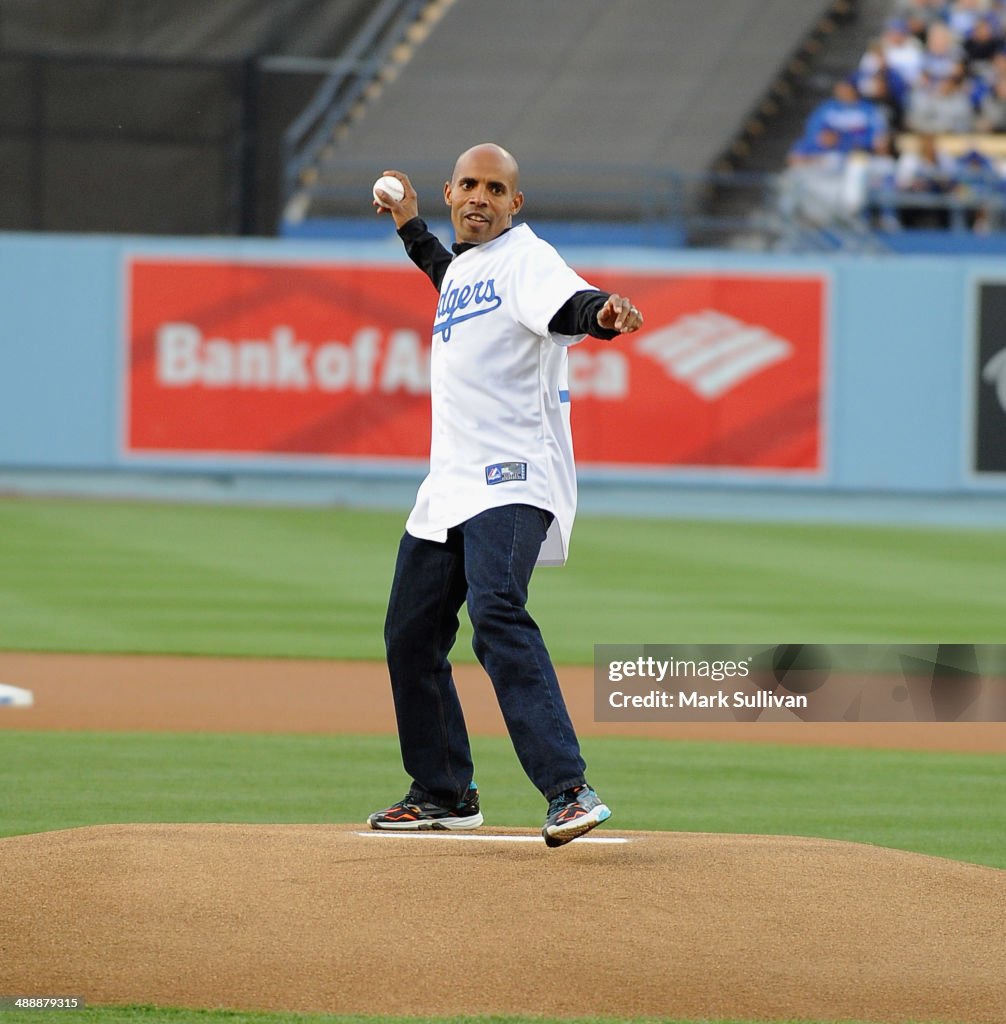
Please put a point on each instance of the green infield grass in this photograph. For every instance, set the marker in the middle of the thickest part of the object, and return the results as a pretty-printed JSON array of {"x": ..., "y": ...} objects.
[
  {"x": 151, "y": 1015},
  {"x": 122, "y": 577},
  {"x": 937, "y": 803}
]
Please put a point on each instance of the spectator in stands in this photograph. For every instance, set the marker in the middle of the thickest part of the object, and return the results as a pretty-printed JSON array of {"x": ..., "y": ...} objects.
[
  {"x": 879, "y": 83},
  {"x": 963, "y": 15},
  {"x": 854, "y": 121},
  {"x": 998, "y": 68},
  {"x": 976, "y": 171},
  {"x": 982, "y": 44},
  {"x": 810, "y": 147},
  {"x": 992, "y": 110},
  {"x": 918, "y": 15},
  {"x": 869, "y": 182},
  {"x": 902, "y": 51},
  {"x": 813, "y": 185},
  {"x": 924, "y": 172},
  {"x": 984, "y": 78},
  {"x": 943, "y": 54},
  {"x": 941, "y": 106},
  {"x": 979, "y": 186}
]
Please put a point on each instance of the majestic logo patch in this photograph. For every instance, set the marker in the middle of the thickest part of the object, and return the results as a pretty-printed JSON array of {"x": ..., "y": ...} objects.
[
  {"x": 504, "y": 472},
  {"x": 481, "y": 296}
]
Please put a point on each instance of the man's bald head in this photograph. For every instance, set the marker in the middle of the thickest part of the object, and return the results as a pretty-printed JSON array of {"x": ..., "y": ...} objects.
[
  {"x": 490, "y": 151},
  {"x": 483, "y": 193}
]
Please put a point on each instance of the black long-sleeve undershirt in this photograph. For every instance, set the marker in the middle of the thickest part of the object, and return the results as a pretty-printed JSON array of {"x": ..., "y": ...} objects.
[{"x": 577, "y": 315}]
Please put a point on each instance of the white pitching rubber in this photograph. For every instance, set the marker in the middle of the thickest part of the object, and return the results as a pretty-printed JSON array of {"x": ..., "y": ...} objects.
[{"x": 487, "y": 838}]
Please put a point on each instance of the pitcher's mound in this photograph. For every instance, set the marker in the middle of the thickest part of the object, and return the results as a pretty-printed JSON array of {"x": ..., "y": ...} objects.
[{"x": 333, "y": 918}]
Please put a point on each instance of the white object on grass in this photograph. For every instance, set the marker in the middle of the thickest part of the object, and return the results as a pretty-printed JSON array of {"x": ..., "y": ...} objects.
[{"x": 15, "y": 697}]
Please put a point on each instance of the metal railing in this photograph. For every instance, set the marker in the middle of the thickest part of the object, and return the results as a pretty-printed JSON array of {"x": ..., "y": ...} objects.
[
  {"x": 960, "y": 212},
  {"x": 740, "y": 210},
  {"x": 349, "y": 78},
  {"x": 755, "y": 211}
]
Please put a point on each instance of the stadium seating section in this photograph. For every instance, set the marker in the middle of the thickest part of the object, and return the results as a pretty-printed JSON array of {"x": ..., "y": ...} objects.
[
  {"x": 595, "y": 97},
  {"x": 916, "y": 137}
]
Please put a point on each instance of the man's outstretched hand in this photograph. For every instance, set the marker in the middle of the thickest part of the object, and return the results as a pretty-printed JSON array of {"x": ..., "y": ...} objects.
[{"x": 618, "y": 314}]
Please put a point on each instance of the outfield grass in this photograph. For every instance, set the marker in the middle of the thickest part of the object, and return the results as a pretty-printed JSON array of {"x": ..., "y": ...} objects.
[{"x": 113, "y": 576}]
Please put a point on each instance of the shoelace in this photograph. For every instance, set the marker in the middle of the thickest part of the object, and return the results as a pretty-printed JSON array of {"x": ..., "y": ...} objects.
[{"x": 557, "y": 803}]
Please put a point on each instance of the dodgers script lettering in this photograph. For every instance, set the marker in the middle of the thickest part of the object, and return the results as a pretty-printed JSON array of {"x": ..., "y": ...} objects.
[{"x": 482, "y": 295}]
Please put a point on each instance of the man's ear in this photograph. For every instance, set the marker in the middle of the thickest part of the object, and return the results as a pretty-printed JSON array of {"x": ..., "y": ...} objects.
[
  {"x": 447, "y": 193},
  {"x": 518, "y": 202}
]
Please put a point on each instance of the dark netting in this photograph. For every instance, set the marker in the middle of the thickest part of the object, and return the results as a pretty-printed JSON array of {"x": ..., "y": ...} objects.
[
  {"x": 149, "y": 117},
  {"x": 182, "y": 28}
]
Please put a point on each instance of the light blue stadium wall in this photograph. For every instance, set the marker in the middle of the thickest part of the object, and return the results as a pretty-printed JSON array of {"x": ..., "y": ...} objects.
[{"x": 898, "y": 377}]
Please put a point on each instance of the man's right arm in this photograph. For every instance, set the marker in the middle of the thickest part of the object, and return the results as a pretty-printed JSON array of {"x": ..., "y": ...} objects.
[
  {"x": 425, "y": 250},
  {"x": 423, "y": 247}
]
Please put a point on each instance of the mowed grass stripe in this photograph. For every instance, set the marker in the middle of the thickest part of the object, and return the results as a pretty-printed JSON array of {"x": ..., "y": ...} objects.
[
  {"x": 190, "y": 579},
  {"x": 277, "y": 582},
  {"x": 948, "y": 805},
  {"x": 152, "y": 1015}
]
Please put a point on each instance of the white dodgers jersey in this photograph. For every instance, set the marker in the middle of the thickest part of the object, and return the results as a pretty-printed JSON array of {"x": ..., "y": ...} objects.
[{"x": 500, "y": 392}]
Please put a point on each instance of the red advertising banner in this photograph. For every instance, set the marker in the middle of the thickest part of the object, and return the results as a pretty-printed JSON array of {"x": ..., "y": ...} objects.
[
  {"x": 295, "y": 359},
  {"x": 321, "y": 359},
  {"x": 728, "y": 371}
]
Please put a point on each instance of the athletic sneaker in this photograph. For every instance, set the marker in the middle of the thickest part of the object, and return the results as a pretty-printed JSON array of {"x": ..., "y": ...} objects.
[
  {"x": 420, "y": 815},
  {"x": 572, "y": 814}
]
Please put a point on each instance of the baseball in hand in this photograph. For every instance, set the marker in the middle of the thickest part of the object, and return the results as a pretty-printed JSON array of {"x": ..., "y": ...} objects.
[{"x": 394, "y": 188}]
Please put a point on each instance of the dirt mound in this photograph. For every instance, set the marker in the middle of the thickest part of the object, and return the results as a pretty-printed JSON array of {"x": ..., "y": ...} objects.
[{"x": 331, "y": 918}]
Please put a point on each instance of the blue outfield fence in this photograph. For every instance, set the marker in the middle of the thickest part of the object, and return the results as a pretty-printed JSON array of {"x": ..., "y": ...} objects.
[{"x": 913, "y": 400}]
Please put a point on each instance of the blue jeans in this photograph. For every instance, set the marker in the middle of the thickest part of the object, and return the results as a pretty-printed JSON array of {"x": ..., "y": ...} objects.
[{"x": 486, "y": 561}]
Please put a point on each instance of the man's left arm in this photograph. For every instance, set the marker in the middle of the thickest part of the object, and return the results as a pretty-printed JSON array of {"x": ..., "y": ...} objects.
[{"x": 597, "y": 313}]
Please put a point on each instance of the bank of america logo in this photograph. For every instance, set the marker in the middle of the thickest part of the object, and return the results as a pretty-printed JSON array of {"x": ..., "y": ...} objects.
[{"x": 712, "y": 353}]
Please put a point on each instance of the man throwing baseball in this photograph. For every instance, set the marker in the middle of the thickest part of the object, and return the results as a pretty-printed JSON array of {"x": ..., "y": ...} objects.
[{"x": 500, "y": 498}]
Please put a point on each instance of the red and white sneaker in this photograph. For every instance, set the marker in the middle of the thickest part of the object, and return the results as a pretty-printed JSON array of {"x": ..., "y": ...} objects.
[{"x": 417, "y": 815}]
